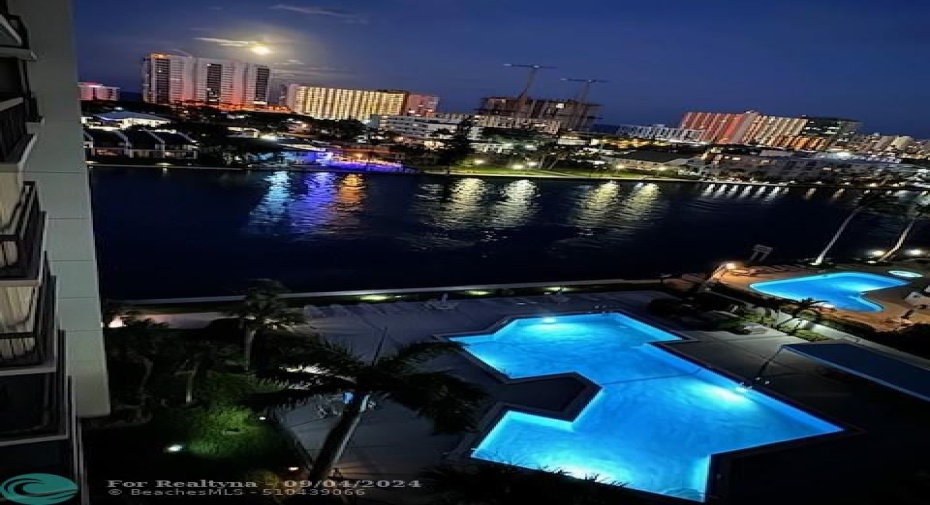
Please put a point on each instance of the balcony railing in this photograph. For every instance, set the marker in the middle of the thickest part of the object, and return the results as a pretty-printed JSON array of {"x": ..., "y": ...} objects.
[
  {"x": 40, "y": 405},
  {"x": 21, "y": 244},
  {"x": 25, "y": 349},
  {"x": 13, "y": 135}
]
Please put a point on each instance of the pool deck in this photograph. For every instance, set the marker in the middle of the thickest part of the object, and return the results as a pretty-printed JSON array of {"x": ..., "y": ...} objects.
[
  {"x": 887, "y": 442},
  {"x": 892, "y": 299},
  {"x": 392, "y": 444}
]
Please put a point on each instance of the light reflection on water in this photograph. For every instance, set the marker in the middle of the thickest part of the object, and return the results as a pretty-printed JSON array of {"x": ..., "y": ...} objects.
[{"x": 366, "y": 231}]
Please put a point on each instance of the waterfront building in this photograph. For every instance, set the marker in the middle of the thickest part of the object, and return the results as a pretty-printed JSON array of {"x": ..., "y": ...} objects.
[
  {"x": 124, "y": 119},
  {"x": 341, "y": 103},
  {"x": 787, "y": 166},
  {"x": 421, "y": 128},
  {"x": 139, "y": 144},
  {"x": 52, "y": 362},
  {"x": 170, "y": 79},
  {"x": 97, "y": 91},
  {"x": 650, "y": 160}
]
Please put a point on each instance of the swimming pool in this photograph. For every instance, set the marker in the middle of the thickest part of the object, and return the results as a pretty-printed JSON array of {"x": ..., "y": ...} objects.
[
  {"x": 654, "y": 424},
  {"x": 842, "y": 290}
]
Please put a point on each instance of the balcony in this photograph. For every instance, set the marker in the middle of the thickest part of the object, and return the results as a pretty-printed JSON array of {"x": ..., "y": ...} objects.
[
  {"x": 36, "y": 404},
  {"x": 14, "y": 38},
  {"x": 15, "y": 139},
  {"x": 23, "y": 352},
  {"x": 21, "y": 242}
]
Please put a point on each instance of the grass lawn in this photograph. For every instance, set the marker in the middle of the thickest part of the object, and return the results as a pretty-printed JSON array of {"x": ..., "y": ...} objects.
[{"x": 221, "y": 440}]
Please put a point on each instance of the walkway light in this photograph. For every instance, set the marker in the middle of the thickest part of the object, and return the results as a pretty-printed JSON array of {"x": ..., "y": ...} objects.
[
  {"x": 916, "y": 252},
  {"x": 174, "y": 448}
]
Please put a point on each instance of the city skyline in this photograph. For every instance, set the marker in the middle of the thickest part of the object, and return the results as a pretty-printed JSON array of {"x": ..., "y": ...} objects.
[{"x": 789, "y": 59}]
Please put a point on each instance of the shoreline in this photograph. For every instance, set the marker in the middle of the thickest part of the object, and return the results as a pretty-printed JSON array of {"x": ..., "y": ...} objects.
[{"x": 566, "y": 178}]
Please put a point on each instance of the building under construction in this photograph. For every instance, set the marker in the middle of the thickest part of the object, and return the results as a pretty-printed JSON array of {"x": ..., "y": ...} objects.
[{"x": 574, "y": 115}]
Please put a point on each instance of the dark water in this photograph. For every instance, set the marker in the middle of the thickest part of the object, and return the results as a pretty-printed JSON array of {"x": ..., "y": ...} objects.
[{"x": 201, "y": 233}]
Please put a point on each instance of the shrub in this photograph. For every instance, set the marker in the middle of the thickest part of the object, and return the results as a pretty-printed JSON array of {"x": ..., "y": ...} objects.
[{"x": 665, "y": 307}]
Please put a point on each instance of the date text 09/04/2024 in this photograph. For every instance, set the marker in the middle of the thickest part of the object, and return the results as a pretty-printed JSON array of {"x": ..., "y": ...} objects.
[{"x": 352, "y": 484}]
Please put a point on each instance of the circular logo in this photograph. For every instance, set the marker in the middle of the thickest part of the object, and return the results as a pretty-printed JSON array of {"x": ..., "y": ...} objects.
[{"x": 38, "y": 489}]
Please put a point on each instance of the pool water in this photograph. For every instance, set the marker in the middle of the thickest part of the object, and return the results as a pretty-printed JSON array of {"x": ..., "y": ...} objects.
[
  {"x": 656, "y": 421},
  {"x": 843, "y": 290}
]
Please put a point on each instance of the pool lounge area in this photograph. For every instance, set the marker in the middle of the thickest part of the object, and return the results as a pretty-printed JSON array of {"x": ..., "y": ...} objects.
[{"x": 656, "y": 419}]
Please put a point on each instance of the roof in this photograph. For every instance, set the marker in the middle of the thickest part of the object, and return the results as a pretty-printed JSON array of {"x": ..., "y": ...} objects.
[
  {"x": 121, "y": 115},
  {"x": 173, "y": 139},
  {"x": 141, "y": 139},
  {"x": 654, "y": 156},
  {"x": 104, "y": 138},
  {"x": 875, "y": 366}
]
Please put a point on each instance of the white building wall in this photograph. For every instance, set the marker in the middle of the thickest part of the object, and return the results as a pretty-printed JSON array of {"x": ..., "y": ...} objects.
[{"x": 57, "y": 165}]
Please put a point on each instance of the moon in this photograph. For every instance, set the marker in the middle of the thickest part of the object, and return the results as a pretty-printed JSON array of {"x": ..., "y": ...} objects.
[{"x": 260, "y": 50}]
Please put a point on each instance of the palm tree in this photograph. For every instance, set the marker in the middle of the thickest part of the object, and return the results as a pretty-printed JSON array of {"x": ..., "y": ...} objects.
[
  {"x": 799, "y": 308},
  {"x": 913, "y": 213},
  {"x": 262, "y": 310},
  {"x": 866, "y": 202},
  {"x": 498, "y": 484},
  {"x": 327, "y": 368},
  {"x": 139, "y": 342}
]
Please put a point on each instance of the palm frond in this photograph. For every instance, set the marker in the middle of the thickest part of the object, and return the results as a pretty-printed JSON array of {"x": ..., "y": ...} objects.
[
  {"x": 295, "y": 379},
  {"x": 417, "y": 353},
  {"x": 446, "y": 400},
  {"x": 287, "y": 398},
  {"x": 330, "y": 356}
]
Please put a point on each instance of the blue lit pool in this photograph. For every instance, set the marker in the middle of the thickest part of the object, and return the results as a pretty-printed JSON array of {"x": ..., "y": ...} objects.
[
  {"x": 842, "y": 290},
  {"x": 655, "y": 422}
]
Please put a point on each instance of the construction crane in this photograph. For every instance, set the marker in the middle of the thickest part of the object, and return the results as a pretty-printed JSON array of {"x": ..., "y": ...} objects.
[
  {"x": 524, "y": 95},
  {"x": 585, "y": 87},
  {"x": 530, "y": 78},
  {"x": 581, "y": 105}
]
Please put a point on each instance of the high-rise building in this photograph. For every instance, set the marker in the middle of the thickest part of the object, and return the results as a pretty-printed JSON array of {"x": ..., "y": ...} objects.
[
  {"x": 340, "y": 103},
  {"x": 97, "y": 91},
  {"x": 52, "y": 364},
  {"x": 829, "y": 129},
  {"x": 721, "y": 127},
  {"x": 421, "y": 105},
  {"x": 751, "y": 127},
  {"x": 169, "y": 79},
  {"x": 774, "y": 131},
  {"x": 571, "y": 114}
]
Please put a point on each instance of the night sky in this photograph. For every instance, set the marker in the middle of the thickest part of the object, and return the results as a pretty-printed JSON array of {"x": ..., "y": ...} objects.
[{"x": 860, "y": 59}]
